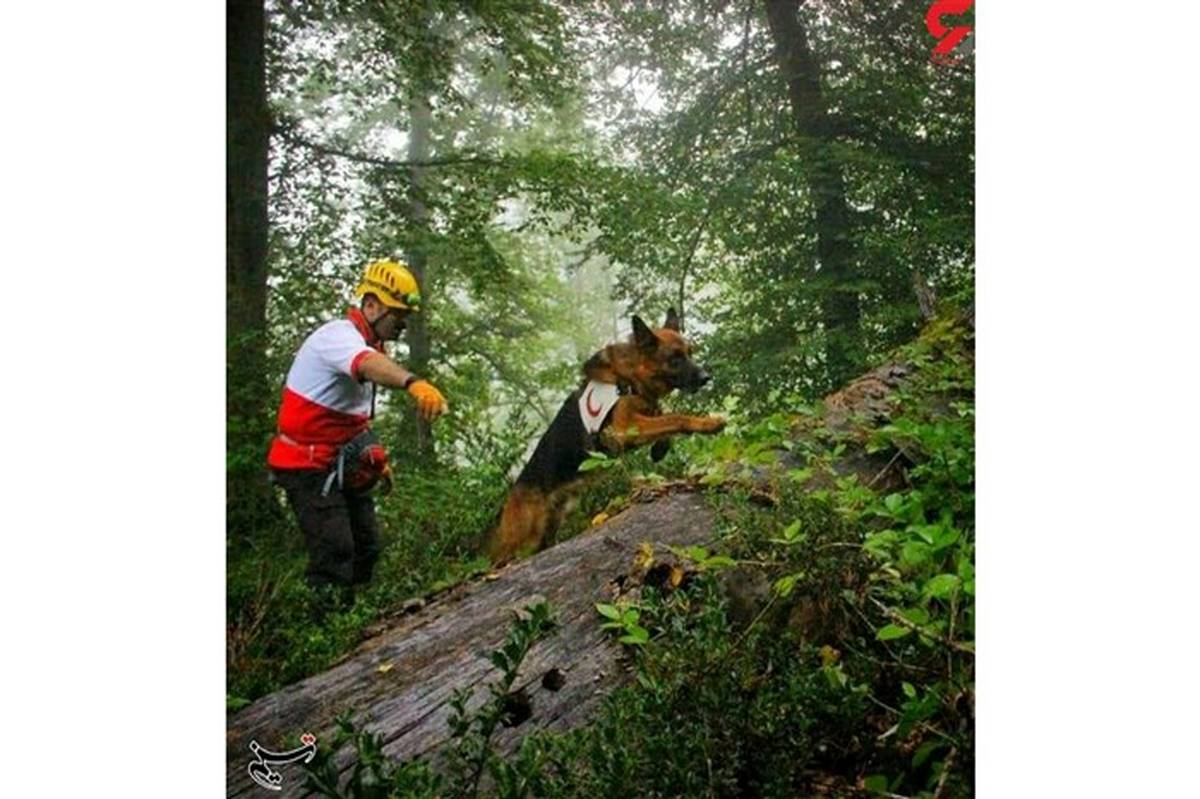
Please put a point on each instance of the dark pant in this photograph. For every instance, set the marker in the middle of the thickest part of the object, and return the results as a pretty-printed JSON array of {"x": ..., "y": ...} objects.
[{"x": 340, "y": 532}]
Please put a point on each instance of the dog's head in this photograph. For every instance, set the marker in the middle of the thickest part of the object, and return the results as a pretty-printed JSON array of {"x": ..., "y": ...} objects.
[{"x": 665, "y": 357}]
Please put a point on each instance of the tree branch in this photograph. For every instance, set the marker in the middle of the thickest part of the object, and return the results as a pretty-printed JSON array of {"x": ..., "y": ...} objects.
[
  {"x": 937, "y": 793},
  {"x": 530, "y": 398},
  {"x": 289, "y": 133},
  {"x": 895, "y": 616},
  {"x": 687, "y": 265}
]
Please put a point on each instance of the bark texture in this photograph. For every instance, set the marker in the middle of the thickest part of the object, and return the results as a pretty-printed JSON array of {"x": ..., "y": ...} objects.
[
  {"x": 400, "y": 682},
  {"x": 247, "y": 138},
  {"x": 247, "y": 133},
  {"x": 826, "y": 184}
]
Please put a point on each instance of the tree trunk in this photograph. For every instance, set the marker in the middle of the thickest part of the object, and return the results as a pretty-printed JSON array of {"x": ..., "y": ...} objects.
[
  {"x": 247, "y": 133},
  {"x": 419, "y": 149},
  {"x": 835, "y": 252}
]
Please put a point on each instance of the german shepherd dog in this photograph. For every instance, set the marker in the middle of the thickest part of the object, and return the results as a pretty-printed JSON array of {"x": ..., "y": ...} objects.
[{"x": 619, "y": 402}]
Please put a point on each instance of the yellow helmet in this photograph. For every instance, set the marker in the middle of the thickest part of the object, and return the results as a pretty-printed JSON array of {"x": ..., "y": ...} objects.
[{"x": 392, "y": 283}]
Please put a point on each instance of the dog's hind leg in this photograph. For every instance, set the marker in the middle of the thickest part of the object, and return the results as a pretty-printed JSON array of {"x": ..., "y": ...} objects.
[
  {"x": 523, "y": 524},
  {"x": 560, "y": 503}
]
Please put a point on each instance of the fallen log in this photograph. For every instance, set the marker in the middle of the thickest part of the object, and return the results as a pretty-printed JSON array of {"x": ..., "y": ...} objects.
[{"x": 399, "y": 683}]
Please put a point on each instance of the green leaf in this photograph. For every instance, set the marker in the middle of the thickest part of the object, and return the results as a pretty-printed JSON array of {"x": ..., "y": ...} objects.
[
  {"x": 601, "y": 462},
  {"x": 914, "y": 553},
  {"x": 235, "y": 702},
  {"x": 836, "y": 677},
  {"x": 916, "y": 615},
  {"x": 635, "y": 635},
  {"x": 800, "y": 475},
  {"x": 609, "y": 611},
  {"x": 942, "y": 585},
  {"x": 909, "y": 690},
  {"x": 924, "y": 751},
  {"x": 944, "y": 536},
  {"x": 892, "y": 631},
  {"x": 791, "y": 535},
  {"x": 879, "y": 544},
  {"x": 876, "y": 783},
  {"x": 784, "y": 585},
  {"x": 927, "y": 532}
]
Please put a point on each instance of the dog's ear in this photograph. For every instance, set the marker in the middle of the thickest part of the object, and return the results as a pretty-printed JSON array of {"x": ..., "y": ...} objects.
[
  {"x": 673, "y": 322},
  {"x": 643, "y": 336}
]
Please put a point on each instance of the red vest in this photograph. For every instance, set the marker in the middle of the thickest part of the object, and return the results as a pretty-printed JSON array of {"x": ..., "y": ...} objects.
[{"x": 326, "y": 402}]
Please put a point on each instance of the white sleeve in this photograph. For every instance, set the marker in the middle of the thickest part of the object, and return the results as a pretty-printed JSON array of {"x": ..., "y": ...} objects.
[{"x": 342, "y": 349}]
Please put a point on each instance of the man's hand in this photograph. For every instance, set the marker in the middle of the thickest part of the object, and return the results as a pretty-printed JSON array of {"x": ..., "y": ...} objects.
[{"x": 430, "y": 402}]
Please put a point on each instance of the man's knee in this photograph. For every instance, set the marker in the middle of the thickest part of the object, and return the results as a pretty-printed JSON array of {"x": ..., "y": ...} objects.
[
  {"x": 329, "y": 539},
  {"x": 340, "y": 533}
]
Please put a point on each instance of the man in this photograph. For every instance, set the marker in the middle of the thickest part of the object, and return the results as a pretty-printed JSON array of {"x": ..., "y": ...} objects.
[{"x": 325, "y": 456}]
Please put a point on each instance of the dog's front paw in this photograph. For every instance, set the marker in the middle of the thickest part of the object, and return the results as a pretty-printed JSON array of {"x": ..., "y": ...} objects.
[{"x": 710, "y": 424}]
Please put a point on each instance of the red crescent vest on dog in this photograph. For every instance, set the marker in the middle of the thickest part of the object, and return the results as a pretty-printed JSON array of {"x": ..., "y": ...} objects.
[{"x": 595, "y": 401}]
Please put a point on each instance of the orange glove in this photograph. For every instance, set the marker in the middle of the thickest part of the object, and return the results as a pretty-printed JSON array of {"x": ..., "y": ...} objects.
[{"x": 430, "y": 402}]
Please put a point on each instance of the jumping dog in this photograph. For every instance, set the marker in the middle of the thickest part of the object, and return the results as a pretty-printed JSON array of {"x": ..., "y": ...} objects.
[{"x": 614, "y": 410}]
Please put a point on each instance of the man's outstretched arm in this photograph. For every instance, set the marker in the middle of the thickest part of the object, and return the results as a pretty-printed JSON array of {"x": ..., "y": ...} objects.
[{"x": 380, "y": 369}]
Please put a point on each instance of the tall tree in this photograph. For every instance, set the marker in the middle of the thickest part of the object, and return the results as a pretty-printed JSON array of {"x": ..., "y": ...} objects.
[
  {"x": 247, "y": 134},
  {"x": 417, "y": 215},
  {"x": 810, "y": 115}
]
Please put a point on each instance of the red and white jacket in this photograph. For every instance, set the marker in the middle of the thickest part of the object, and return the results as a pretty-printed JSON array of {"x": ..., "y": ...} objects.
[{"x": 326, "y": 402}]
